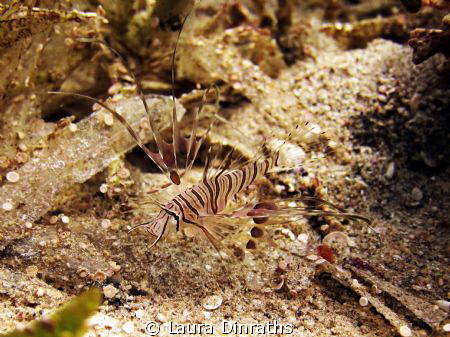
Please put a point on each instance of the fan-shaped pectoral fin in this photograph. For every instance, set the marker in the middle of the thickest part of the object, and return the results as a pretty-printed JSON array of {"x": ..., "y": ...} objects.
[{"x": 214, "y": 229}]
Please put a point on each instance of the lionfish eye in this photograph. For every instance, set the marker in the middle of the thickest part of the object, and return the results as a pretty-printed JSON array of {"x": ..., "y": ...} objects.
[{"x": 176, "y": 217}]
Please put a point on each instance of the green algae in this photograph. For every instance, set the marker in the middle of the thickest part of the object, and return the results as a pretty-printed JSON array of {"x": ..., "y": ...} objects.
[{"x": 69, "y": 321}]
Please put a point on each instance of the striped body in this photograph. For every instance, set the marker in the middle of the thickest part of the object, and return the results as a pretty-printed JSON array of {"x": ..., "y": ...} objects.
[{"x": 209, "y": 197}]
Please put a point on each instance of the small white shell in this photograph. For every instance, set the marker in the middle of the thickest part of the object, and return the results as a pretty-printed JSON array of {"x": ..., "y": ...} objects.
[
  {"x": 390, "y": 170},
  {"x": 303, "y": 237},
  {"x": 7, "y": 206},
  {"x": 73, "y": 127},
  {"x": 313, "y": 257},
  {"x": 40, "y": 292},
  {"x": 405, "y": 331},
  {"x": 363, "y": 301},
  {"x": 139, "y": 313},
  {"x": 446, "y": 327},
  {"x": 105, "y": 223},
  {"x": 103, "y": 188},
  {"x": 212, "y": 302},
  {"x": 128, "y": 327},
  {"x": 339, "y": 242},
  {"x": 12, "y": 177},
  {"x": 289, "y": 154},
  {"x": 108, "y": 119},
  {"x": 161, "y": 318},
  {"x": 417, "y": 194},
  {"x": 444, "y": 305},
  {"x": 110, "y": 291}
]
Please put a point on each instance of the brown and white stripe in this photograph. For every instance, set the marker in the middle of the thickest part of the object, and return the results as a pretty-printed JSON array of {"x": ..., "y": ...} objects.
[{"x": 212, "y": 194}]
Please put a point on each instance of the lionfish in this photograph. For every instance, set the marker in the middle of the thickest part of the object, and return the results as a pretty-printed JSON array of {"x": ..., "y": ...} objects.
[{"x": 201, "y": 206}]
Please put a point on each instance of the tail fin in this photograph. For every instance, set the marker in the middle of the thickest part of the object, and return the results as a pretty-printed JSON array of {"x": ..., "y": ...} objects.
[{"x": 291, "y": 155}]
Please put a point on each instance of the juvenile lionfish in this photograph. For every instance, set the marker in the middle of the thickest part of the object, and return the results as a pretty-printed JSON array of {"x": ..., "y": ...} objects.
[{"x": 201, "y": 206}]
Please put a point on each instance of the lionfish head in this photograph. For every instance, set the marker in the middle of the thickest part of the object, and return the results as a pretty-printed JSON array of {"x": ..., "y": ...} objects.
[{"x": 160, "y": 225}]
